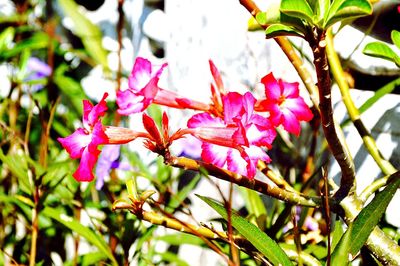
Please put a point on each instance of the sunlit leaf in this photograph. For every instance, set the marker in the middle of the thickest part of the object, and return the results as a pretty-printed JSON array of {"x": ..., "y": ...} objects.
[
  {"x": 6, "y": 37},
  {"x": 298, "y": 9},
  {"x": 346, "y": 9},
  {"x": 276, "y": 30},
  {"x": 360, "y": 229},
  {"x": 38, "y": 41},
  {"x": 89, "y": 33},
  {"x": 266, "y": 245},
  {"x": 395, "y": 35},
  {"x": 381, "y": 50},
  {"x": 83, "y": 231},
  {"x": 19, "y": 168}
]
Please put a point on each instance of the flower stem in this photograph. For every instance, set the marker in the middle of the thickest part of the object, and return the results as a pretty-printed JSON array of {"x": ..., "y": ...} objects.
[
  {"x": 369, "y": 142},
  {"x": 253, "y": 184}
]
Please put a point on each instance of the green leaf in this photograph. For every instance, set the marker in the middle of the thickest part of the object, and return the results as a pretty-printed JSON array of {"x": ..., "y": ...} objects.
[
  {"x": 337, "y": 233},
  {"x": 180, "y": 239},
  {"x": 370, "y": 215},
  {"x": 368, "y": 218},
  {"x": 83, "y": 231},
  {"x": 340, "y": 255},
  {"x": 38, "y": 41},
  {"x": 89, "y": 33},
  {"x": 395, "y": 35},
  {"x": 6, "y": 38},
  {"x": 381, "y": 50},
  {"x": 346, "y": 9},
  {"x": 19, "y": 168},
  {"x": 276, "y": 30},
  {"x": 267, "y": 246},
  {"x": 274, "y": 16},
  {"x": 182, "y": 194},
  {"x": 298, "y": 9},
  {"x": 172, "y": 258}
]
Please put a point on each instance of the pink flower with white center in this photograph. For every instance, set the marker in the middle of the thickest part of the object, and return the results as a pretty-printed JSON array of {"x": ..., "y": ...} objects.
[
  {"x": 84, "y": 141},
  {"x": 284, "y": 104},
  {"x": 143, "y": 87},
  {"x": 235, "y": 141},
  {"x": 144, "y": 90}
]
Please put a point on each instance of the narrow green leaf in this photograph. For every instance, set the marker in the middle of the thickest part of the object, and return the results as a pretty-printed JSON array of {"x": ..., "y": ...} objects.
[
  {"x": 276, "y": 30},
  {"x": 38, "y": 41},
  {"x": 274, "y": 16},
  {"x": 182, "y": 194},
  {"x": 395, "y": 35},
  {"x": 345, "y": 9},
  {"x": 83, "y": 231},
  {"x": 388, "y": 88},
  {"x": 370, "y": 215},
  {"x": 381, "y": 50},
  {"x": 337, "y": 233},
  {"x": 19, "y": 168},
  {"x": 340, "y": 255},
  {"x": 266, "y": 245},
  {"x": 298, "y": 9},
  {"x": 89, "y": 33},
  {"x": 180, "y": 239}
]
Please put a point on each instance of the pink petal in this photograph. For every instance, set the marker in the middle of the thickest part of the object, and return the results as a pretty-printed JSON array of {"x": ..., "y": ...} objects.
[
  {"x": 140, "y": 75},
  {"x": 92, "y": 114},
  {"x": 256, "y": 153},
  {"x": 260, "y": 136},
  {"x": 290, "y": 90},
  {"x": 272, "y": 88},
  {"x": 299, "y": 108},
  {"x": 217, "y": 78},
  {"x": 98, "y": 137},
  {"x": 129, "y": 103},
  {"x": 248, "y": 105},
  {"x": 217, "y": 135},
  {"x": 233, "y": 106},
  {"x": 75, "y": 143},
  {"x": 290, "y": 122},
  {"x": 236, "y": 163},
  {"x": 204, "y": 120},
  {"x": 214, "y": 154},
  {"x": 84, "y": 173},
  {"x": 274, "y": 110}
]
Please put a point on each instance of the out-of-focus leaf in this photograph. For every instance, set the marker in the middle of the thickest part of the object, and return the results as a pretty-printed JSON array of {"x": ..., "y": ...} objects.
[
  {"x": 298, "y": 9},
  {"x": 38, "y": 41},
  {"x": 6, "y": 37},
  {"x": 381, "y": 50},
  {"x": 267, "y": 246},
  {"x": 395, "y": 35},
  {"x": 180, "y": 239},
  {"x": 70, "y": 87},
  {"x": 276, "y": 30},
  {"x": 255, "y": 206},
  {"x": 172, "y": 258},
  {"x": 89, "y": 33},
  {"x": 346, "y": 9},
  {"x": 18, "y": 167},
  {"x": 83, "y": 231},
  {"x": 179, "y": 197},
  {"x": 92, "y": 258}
]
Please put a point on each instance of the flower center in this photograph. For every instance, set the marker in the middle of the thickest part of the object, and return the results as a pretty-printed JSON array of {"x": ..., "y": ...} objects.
[{"x": 281, "y": 99}]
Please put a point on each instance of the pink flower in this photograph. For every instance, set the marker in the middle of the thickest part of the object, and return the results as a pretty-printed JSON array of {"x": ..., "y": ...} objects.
[
  {"x": 84, "y": 141},
  {"x": 143, "y": 87},
  {"x": 144, "y": 90},
  {"x": 284, "y": 104},
  {"x": 235, "y": 141}
]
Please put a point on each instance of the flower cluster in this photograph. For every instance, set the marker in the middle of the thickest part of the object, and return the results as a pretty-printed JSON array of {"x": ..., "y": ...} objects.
[{"x": 235, "y": 130}]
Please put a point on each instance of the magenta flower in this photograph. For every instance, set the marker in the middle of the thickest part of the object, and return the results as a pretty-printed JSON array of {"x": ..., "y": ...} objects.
[
  {"x": 144, "y": 90},
  {"x": 284, "y": 104},
  {"x": 84, "y": 141},
  {"x": 235, "y": 141},
  {"x": 143, "y": 87}
]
